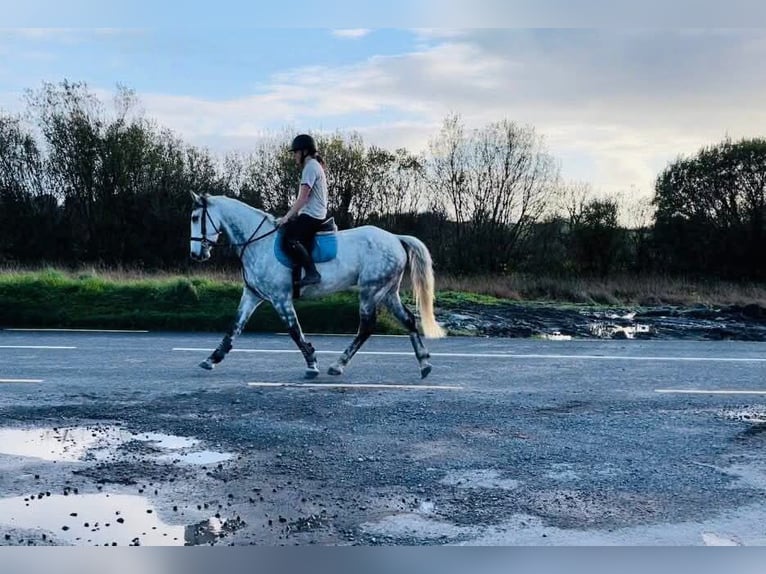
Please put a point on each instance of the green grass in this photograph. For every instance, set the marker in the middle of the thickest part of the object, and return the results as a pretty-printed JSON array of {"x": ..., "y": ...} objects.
[
  {"x": 129, "y": 299},
  {"x": 54, "y": 299}
]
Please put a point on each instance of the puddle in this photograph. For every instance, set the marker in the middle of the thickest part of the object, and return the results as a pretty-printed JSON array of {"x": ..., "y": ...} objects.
[
  {"x": 104, "y": 520},
  {"x": 609, "y": 331},
  {"x": 87, "y": 444},
  {"x": 754, "y": 415},
  {"x": 92, "y": 519},
  {"x": 556, "y": 336},
  {"x": 61, "y": 445}
]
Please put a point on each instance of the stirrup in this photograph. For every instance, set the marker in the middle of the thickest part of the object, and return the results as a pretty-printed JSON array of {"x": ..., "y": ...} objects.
[{"x": 310, "y": 279}]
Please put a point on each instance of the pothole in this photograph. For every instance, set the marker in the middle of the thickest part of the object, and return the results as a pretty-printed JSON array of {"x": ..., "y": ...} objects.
[
  {"x": 102, "y": 520},
  {"x": 98, "y": 443},
  {"x": 482, "y": 478},
  {"x": 754, "y": 415}
]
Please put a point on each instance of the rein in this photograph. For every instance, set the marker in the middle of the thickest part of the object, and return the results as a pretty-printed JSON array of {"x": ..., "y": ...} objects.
[{"x": 252, "y": 239}]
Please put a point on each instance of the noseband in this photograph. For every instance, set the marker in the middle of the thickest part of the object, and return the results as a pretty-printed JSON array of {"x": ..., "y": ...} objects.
[{"x": 206, "y": 243}]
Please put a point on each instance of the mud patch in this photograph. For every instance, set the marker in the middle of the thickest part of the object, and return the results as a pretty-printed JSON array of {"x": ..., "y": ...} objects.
[
  {"x": 483, "y": 478},
  {"x": 434, "y": 449},
  {"x": 753, "y": 414},
  {"x": 598, "y": 322},
  {"x": 210, "y": 531},
  {"x": 401, "y": 527},
  {"x": 307, "y": 524},
  {"x": 128, "y": 473},
  {"x": 566, "y": 408},
  {"x": 578, "y": 509}
]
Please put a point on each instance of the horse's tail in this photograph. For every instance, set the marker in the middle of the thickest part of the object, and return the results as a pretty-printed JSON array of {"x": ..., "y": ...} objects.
[{"x": 421, "y": 271}]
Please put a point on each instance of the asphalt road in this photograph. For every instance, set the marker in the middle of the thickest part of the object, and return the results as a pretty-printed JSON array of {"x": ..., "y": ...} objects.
[{"x": 509, "y": 441}]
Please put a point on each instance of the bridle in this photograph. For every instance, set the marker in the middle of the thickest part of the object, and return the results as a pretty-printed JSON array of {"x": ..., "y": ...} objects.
[
  {"x": 207, "y": 243},
  {"x": 204, "y": 241}
]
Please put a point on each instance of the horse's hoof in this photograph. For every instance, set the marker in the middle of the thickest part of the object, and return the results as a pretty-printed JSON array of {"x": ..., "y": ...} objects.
[
  {"x": 207, "y": 364},
  {"x": 335, "y": 370},
  {"x": 311, "y": 373},
  {"x": 425, "y": 370}
]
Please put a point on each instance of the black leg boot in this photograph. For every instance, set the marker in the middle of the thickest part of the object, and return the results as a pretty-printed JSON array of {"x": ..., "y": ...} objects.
[{"x": 312, "y": 276}]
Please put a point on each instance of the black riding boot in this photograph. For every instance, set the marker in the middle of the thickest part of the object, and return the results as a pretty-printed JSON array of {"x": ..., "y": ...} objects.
[{"x": 304, "y": 258}]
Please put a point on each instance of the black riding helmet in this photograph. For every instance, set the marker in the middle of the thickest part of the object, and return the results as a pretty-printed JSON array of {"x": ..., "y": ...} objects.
[{"x": 304, "y": 142}]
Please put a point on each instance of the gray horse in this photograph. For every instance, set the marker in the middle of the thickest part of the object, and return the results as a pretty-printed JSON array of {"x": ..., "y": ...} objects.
[{"x": 368, "y": 258}]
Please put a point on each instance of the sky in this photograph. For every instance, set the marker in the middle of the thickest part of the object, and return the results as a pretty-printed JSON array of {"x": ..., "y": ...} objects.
[{"x": 614, "y": 104}]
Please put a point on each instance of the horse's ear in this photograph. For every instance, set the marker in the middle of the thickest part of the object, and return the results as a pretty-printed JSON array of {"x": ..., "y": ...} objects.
[{"x": 196, "y": 198}]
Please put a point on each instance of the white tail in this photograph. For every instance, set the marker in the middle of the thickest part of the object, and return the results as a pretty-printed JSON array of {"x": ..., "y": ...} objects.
[{"x": 421, "y": 271}]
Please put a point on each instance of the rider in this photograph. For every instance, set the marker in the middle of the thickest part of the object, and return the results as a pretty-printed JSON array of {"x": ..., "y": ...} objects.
[{"x": 309, "y": 211}]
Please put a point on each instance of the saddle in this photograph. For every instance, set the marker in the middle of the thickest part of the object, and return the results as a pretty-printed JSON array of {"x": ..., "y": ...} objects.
[{"x": 323, "y": 249}]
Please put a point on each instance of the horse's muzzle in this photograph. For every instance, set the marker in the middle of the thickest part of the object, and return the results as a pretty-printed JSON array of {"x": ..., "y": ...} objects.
[{"x": 204, "y": 255}]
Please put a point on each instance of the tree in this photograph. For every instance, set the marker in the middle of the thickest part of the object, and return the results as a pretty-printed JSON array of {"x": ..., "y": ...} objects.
[
  {"x": 21, "y": 190},
  {"x": 596, "y": 237},
  {"x": 495, "y": 183},
  {"x": 711, "y": 211}
]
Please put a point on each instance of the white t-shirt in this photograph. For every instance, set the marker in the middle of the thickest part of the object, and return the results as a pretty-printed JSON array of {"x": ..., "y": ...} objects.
[{"x": 313, "y": 175}]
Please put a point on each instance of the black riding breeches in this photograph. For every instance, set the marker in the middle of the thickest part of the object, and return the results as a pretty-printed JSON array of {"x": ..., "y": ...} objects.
[{"x": 302, "y": 229}]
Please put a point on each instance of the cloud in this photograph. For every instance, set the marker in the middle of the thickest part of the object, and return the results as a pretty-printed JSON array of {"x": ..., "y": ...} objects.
[
  {"x": 351, "y": 33},
  {"x": 614, "y": 105},
  {"x": 64, "y": 35}
]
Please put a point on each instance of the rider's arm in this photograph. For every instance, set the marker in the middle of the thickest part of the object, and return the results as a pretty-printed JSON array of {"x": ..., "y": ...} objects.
[{"x": 303, "y": 198}]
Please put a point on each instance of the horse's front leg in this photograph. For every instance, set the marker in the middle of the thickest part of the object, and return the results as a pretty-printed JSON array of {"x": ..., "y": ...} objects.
[
  {"x": 287, "y": 313},
  {"x": 247, "y": 304}
]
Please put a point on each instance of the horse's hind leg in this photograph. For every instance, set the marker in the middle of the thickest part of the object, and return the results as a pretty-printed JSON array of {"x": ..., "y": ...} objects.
[
  {"x": 287, "y": 313},
  {"x": 367, "y": 318},
  {"x": 247, "y": 304},
  {"x": 394, "y": 304}
]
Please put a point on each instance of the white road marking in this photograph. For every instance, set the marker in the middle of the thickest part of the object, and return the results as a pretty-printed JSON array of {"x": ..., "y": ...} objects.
[
  {"x": 21, "y": 380},
  {"x": 603, "y": 357},
  {"x": 345, "y": 335},
  {"x": 79, "y": 330},
  {"x": 707, "y": 392},
  {"x": 503, "y": 355},
  {"x": 372, "y": 386},
  {"x": 713, "y": 539},
  {"x": 35, "y": 347}
]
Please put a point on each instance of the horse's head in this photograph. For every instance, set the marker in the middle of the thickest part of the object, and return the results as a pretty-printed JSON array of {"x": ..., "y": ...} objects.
[{"x": 205, "y": 227}]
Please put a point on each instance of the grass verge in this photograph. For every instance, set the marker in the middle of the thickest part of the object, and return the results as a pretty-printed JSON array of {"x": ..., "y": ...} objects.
[{"x": 55, "y": 299}]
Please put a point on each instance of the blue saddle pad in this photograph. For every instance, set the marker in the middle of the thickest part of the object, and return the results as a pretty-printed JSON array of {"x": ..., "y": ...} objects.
[{"x": 325, "y": 248}]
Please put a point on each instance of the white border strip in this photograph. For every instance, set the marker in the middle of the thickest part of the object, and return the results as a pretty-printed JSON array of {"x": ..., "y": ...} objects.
[
  {"x": 78, "y": 330},
  {"x": 707, "y": 392},
  {"x": 503, "y": 355},
  {"x": 35, "y": 347},
  {"x": 21, "y": 380},
  {"x": 369, "y": 386}
]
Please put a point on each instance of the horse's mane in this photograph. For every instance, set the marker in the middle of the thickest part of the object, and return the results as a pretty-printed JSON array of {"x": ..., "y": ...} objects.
[{"x": 269, "y": 217}]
